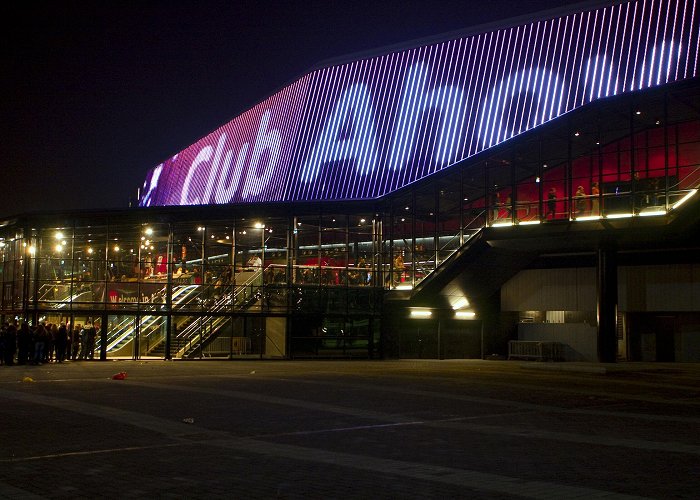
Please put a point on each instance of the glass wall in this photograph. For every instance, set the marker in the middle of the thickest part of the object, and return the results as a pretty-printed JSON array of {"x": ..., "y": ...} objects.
[{"x": 308, "y": 279}]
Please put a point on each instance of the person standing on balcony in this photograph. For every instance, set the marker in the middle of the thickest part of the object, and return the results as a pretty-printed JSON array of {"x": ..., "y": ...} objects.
[
  {"x": 398, "y": 268},
  {"x": 595, "y": 199},
  {"x": 551, "y": 203},
  {"x": 580, "y": 198}
]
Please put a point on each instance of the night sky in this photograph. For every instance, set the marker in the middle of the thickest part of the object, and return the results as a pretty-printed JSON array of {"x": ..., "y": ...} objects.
[{"x": 96, "y": 93}]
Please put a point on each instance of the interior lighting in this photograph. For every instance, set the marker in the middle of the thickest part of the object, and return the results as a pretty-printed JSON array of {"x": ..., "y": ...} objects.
[
  {"x": 59, "y": 235},
  {"x": 259, "y": 225},
  {"x": 577, "y": 133},
  {"x": 362, "y": 221},
  {"x": 148, "y": 231},
  {"x": 89, "y": 250},
  {"x": 59, "y": 247},
  {"x": 637, "y": 112},
  {"x": 651, "y": 213},
  {"x": 421, "y": 313},
  {"x": 404, "y": 286},
  {"x": 32, "y": 250},
  {"x": 465, "y": 314},
  {"x": 2, "y": 244},
  {"x": 460, "y": 303},
  {"x": 619, "y": 216},
  {"x": 501, "y": 224},
  {"x": 528, "y": 223},
  {"x": 537, "y": 179},
  {"x": 589, "y": 217},
  {"x": 116, "y": 248},
  {"x": 690, "y": 194}
]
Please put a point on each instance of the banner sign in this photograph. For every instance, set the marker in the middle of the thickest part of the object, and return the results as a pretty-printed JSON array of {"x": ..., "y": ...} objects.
[{"x": 363, "y": 129}]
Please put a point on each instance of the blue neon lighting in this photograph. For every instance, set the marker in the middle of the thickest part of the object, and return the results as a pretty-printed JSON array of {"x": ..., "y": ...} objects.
[{"x": 368, "y": 127}]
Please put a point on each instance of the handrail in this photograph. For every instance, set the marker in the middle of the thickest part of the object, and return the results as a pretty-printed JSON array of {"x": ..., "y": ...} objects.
[
  {"x": 467, "y": 232},
  {"x": 123, "y": 329},
  {"x": 193, "y": 333}
]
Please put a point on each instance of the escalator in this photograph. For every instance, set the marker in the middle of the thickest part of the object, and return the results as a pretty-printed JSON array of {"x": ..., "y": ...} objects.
[
  {"x": 195, "y": 333},
  {"x": 121, "y": 335}
]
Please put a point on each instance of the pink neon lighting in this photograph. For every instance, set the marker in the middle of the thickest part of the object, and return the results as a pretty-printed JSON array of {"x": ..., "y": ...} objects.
[{"x": 366, "y": 128}]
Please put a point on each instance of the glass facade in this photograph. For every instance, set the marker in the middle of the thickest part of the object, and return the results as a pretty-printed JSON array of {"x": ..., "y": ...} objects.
[{"x": 312, "y": 279}]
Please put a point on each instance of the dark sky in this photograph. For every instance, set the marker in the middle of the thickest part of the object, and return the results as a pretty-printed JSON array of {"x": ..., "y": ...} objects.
[{"x": 95, "y": 93}]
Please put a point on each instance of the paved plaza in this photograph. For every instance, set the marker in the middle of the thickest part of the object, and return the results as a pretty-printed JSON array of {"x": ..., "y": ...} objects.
[{"x": 356, "y": 429}]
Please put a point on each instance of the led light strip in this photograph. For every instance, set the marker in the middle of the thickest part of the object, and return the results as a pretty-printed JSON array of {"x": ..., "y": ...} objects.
[{"x": 366, "y": 128}]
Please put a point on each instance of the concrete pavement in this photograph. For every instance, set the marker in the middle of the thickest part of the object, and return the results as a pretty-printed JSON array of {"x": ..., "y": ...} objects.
[{"x": 360, "y": 429}]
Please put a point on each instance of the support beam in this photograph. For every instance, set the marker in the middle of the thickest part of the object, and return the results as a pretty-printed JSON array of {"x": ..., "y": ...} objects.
[{"x": 607, "y": 303}]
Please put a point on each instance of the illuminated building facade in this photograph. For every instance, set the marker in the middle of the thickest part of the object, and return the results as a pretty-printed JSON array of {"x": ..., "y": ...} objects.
[{"x": 521, "y": 182}]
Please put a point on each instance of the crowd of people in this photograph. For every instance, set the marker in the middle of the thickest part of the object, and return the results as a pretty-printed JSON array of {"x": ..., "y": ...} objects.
[{"x": 46, "y": 343}]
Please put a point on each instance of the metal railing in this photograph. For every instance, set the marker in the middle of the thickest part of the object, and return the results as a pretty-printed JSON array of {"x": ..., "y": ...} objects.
[{"x": 535, "y": 350}]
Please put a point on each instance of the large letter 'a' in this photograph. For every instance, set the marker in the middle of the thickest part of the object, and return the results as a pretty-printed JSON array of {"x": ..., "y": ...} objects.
[
  {"x": 348, "y": 135},
  {"x": 417, "y": 98}
]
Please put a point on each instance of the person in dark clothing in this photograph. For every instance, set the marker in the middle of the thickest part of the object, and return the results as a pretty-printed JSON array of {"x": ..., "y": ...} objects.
[
  {"x": 2, "y": 343},
  {"x": 69, "y": 342},
  {"x": 24, "y": 344},
  {"x": 91, "y": 337},
  {"x": 552, "y": 203},
  {"x": 10, "y": 344},
  {"x": 60, "y": 343},
  {"x": 75, "y": 341},
  {"x": 41, "y": 335}
]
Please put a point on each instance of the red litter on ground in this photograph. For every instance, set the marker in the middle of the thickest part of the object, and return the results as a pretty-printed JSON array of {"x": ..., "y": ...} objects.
[{"x": 119, "y": 376}]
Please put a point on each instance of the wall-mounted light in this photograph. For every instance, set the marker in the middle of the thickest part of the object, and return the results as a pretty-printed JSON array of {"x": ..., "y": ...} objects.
[
  {"x": 465, "y": 315},
  {"x": 651, "y": 212},
  {"x": 421, "y": 313}
]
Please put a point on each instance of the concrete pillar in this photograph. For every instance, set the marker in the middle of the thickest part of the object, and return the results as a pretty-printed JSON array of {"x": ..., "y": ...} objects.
[{"x": 607, "y": 303}]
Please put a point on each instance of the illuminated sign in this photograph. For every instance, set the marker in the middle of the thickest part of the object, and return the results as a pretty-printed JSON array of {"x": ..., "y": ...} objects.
[{"x": 366, "y": 128}]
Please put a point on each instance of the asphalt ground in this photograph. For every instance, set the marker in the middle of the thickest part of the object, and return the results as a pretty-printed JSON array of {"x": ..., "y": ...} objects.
[{"x": 356, "y": 429}]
